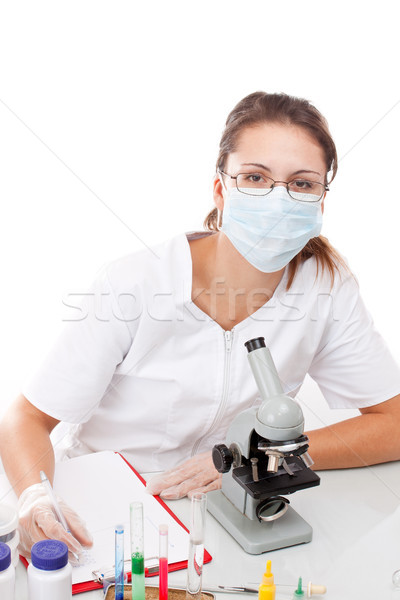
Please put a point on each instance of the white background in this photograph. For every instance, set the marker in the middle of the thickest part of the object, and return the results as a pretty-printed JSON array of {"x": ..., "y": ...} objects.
[{"x": 110, "y": 119}]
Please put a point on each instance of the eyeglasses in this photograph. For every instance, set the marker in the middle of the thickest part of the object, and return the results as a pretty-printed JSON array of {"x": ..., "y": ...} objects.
[{"x": 256, "y": 184}]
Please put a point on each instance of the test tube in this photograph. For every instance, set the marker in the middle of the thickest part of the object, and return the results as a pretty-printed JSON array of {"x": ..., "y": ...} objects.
[
  {"x": 196, "y": 546},
  {"x": 119, "y": 562},
  {"x": 137, "y": 551},
  {"x": 163, "y": 562}
]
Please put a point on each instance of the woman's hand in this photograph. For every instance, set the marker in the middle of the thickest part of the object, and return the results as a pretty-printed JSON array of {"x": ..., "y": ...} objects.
[
  {"x": 197, "y": 474},
  {"x": 37, "y": 521}
]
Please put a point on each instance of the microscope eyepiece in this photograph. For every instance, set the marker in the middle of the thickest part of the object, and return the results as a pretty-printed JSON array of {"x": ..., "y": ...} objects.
[{"x": 255, "y": 344}]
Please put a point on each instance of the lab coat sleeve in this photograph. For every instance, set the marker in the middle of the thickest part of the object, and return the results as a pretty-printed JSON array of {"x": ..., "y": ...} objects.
[
  {"x": 72, "y": 379},
  {"x": 353, "y": 366}
]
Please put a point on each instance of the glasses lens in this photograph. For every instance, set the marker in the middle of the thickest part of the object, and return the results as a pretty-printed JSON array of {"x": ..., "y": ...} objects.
[
  {"x": 306, "y": 191},
  {"x": 254, "y": 184}
]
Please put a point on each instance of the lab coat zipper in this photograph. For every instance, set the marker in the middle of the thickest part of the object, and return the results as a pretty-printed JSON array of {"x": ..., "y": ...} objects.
[{"x": 228, "y": 335}]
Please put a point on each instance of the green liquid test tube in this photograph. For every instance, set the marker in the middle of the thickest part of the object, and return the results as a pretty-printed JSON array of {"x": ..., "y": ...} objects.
[{"x": 137, "y": 551}]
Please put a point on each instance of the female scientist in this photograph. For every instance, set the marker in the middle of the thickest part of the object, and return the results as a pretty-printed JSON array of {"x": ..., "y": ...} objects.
[{"x": 154, "y": 366}]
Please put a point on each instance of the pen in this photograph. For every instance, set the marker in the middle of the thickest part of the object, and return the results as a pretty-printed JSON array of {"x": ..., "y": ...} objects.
[{"x": 56, "y": 506}]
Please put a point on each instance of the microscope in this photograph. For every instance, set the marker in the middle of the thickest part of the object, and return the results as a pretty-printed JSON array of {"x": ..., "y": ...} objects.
[{"x": 265, "y": 456}]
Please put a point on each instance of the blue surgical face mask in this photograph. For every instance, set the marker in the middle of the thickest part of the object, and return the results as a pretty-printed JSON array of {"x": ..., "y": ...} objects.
[{"x": 268, "y": 231}]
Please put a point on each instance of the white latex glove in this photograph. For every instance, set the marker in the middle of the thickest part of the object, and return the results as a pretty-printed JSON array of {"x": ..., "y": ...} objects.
[
  {"x": 37, "y": 521},
  {"x": 197, "y": 474}
]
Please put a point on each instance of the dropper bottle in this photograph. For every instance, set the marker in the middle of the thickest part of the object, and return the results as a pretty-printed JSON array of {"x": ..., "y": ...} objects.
[{"x": 267, "y": 588}]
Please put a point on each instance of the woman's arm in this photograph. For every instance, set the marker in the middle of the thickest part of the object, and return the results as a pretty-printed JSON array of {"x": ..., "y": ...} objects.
[
  {"x": 371, "y": 438},
  {"x": 25, "y": 444},
  {"x": 26, "y": 449},
  {"x": 368, "y": 439}
]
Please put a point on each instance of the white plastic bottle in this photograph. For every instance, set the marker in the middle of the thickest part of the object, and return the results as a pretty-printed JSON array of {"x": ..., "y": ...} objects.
[
  {"x": 9, "y": 530},
  {"x": 50, "y": 574},
  {"x": 7, "y": 573}
]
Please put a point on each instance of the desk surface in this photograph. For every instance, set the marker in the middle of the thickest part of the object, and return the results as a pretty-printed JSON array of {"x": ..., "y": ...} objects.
[{"x": 355, "y": 515}]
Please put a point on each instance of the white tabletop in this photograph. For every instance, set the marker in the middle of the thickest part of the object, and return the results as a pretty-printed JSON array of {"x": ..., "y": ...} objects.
[{"x": 355, "y": 515}]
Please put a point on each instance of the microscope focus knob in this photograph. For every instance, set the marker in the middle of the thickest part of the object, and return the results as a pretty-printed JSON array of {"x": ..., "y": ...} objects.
[{"x": 222, "y": 458}]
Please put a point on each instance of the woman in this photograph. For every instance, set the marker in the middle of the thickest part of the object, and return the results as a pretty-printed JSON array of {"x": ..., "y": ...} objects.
[{"x": 159, "y": 373}]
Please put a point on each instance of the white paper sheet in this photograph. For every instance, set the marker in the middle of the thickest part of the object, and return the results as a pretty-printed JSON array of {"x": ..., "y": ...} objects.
[{"x": 100, "y": 487}]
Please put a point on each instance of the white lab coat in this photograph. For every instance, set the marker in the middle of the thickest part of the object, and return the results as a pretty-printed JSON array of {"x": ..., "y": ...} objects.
[{"x": 142, "y": 370}]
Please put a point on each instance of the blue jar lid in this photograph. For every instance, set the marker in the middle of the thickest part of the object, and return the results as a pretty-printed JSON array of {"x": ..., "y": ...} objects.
[
  {"x": 5, "y": 556},
  {"x": 49, "y": 555}
]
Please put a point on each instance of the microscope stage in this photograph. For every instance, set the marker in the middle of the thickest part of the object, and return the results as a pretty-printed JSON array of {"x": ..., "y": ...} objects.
[{"x": 271, "y": 484}]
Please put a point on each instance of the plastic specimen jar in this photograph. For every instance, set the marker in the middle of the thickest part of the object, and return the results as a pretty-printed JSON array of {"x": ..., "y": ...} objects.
[
  {"x": 7, "y": 573},
  {"x": 9, "y": 533},
  {"x": 50, "y": 574}
]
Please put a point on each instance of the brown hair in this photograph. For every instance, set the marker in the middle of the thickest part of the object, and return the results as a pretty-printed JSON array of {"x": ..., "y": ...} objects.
[{"x": 261, "y": 107}]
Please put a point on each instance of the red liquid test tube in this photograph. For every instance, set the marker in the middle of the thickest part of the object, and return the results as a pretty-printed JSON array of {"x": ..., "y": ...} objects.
[{"x": 163, "y": 562}]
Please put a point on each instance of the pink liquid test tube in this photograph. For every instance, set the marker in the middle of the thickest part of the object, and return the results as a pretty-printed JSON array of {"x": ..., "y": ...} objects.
[{"x": 163, "y": 562}]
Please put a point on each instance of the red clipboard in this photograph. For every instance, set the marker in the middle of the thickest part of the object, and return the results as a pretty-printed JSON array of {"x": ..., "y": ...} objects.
[{"x": 88, "y": 586}]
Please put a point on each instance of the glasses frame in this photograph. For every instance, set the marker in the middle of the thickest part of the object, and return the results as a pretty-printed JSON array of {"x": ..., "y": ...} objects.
[{"x": 287, "y": 183}]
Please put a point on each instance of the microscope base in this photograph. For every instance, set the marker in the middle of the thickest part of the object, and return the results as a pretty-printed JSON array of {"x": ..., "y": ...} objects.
[{"x": 257, "y": 537}]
